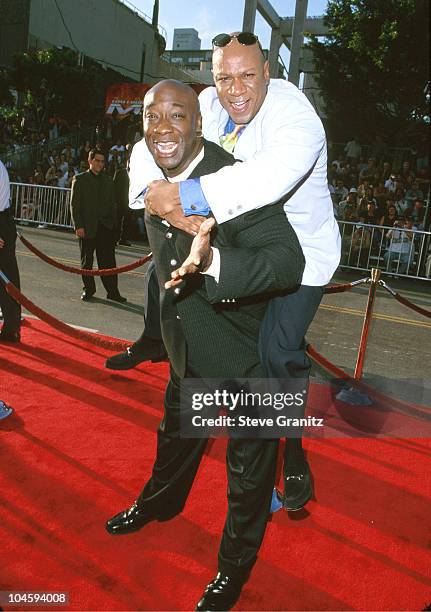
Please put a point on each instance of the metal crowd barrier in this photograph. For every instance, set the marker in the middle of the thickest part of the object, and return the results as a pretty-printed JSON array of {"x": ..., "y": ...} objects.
[
  {"x": 41, "y": 205},
  {"x": 363, "y": 246},
  {"x": 403, "y": 253}
]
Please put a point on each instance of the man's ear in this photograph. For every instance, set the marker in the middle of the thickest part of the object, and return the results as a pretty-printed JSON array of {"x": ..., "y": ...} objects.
[
  {"x": 199, "y": 125},
  {"x": 266, "y": 71}
]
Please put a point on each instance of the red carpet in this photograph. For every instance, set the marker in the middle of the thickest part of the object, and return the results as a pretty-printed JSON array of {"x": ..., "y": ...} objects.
[{"x": 81, "y": 444}]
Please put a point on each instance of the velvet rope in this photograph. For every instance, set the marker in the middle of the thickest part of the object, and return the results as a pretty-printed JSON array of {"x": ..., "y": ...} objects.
[
  {"x": 82, "y": 272},
  {"x": 384, "y": 401},
  {"x": 409, "y": 304},
  {"x": 79, "y": 334},
  {"x": 345, "y": 287}
]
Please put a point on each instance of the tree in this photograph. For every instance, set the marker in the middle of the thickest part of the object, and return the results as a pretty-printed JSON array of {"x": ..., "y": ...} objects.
[
  {"x": 373, "y": 67},
  {"x": 53, "y": 83},
  {"x": 5, "y": 96}
]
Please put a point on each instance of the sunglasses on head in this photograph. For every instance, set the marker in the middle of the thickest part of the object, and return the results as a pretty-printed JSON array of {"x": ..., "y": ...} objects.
[{"x": 244, "y": 38}]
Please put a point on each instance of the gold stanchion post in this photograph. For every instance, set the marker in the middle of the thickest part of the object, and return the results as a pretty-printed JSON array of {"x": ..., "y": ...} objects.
[{"x": 374, "y": 281}]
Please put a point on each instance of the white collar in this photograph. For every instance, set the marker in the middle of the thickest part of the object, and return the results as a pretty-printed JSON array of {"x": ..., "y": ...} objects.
[{"x": 187, "y": 172}]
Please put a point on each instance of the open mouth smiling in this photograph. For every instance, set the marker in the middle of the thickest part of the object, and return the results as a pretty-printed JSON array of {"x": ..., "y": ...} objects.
[
  {"x": 165, "y": 148},
  {"x": 239, "y": 106}
]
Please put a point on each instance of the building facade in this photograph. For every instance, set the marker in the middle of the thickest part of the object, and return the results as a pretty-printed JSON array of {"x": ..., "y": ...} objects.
[
  {"x": 107, "y": 31},
  {"x": 186, "y": 39}
]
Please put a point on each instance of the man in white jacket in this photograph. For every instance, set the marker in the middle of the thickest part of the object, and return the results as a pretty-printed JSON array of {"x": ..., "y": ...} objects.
[{"x": 272, "y": 128}]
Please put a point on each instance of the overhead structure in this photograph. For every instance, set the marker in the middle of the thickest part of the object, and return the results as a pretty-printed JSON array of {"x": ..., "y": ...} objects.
[
  {"x": 284, "y": 30},
  {"x": 297, "y": 40}
]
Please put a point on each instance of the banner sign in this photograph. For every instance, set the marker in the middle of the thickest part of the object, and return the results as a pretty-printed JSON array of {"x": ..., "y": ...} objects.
[{"x": 123, "y": 99}]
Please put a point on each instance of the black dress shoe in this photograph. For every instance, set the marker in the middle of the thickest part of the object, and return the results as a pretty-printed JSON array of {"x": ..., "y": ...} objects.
[
  {"x": 124, "y": 243},
  {"x": 298, "y": 486},
  {"x": 9, "y": 335},
  {"x": 221, "y": 594},
  {"x": 129, "y": 520},
  {"x": 87, "y": 295},
  {"x": 116, "y": 297},
  {"x": 153, "y": 350}
]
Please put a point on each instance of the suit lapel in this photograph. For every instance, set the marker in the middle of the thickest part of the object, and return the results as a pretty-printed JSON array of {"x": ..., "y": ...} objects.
[{"x": 214, "y": 158}]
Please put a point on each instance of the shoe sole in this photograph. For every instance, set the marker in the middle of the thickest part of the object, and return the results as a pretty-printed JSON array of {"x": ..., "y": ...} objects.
[
  {"x": 122, "y": 368},
  {"x": 135, "y": 529},
  {"x": 130, "y": 367},
  {"x": 299, "y": 507},
  {"x": 128, "y": 532}
]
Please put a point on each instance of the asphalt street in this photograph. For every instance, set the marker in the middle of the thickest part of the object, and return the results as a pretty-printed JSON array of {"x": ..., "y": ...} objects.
[{"x": 399, "y": 350}]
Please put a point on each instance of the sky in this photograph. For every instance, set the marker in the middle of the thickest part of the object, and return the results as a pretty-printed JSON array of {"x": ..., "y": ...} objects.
[{"x": 212, "y": 17}]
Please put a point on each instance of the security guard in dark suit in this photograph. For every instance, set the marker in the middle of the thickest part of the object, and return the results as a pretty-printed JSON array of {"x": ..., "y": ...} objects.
[
  {"x": 94, "y": 217},
  {"x": 208, "y": 335},
  {"x": 11, "y": 310}
]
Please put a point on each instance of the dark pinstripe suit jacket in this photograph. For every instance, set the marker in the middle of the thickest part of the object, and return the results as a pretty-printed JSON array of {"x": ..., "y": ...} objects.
[{"x": 260, "y": 254}]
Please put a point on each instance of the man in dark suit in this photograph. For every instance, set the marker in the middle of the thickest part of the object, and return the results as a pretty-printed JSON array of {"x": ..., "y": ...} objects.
[
  {"x": 93, "y": 212},
  {"x": 11, "y": 310},
  {"x": 121, "y": 188},
  {"x": 210, "y": 327}
]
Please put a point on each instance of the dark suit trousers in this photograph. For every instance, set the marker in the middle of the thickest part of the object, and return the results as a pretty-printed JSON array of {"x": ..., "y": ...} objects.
[
  {"x": 152, "y": 328},
  {"x": 124, "y": 223},
  {"x": 251, "y": 473},
  {"x": 11, "y": 310},
  {"x": 104, "y": 245},
  {"x": 282, "y": 344}
]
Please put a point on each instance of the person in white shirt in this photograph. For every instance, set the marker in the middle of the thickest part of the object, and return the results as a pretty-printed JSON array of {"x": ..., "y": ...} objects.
[
  {"x": 401, "y": 246},
  {"x": 391, "y": 183},
  {"x": 352, "y": 150},
  {"x": 116, "y": 151},
  {"x": 10, "y": 332},
  {"x": 61, "y": 178},
  {"x": 63, "y": 165},
  {"x": 271, "y": 126}
]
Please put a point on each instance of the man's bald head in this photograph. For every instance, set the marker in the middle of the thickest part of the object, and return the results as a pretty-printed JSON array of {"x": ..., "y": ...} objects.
[
  {"x": 171, "y": 87},
  {"x": 172, "y": 125},
  {"x": 241, "y": 77}
]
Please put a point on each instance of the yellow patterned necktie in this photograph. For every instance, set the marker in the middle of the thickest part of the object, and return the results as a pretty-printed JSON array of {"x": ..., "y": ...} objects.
[{"x": 228, "y": 141}]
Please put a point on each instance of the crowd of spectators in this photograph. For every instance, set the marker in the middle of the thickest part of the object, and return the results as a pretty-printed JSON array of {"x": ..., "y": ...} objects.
[
  {"x": 380, "y": 207},
  {"x": 57, "y": 164},
  {"x": 22, "y": 129}
]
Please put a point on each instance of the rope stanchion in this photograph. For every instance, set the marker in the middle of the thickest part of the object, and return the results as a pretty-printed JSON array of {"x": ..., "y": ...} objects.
[
  {"x": 112, "y": 344},
  {"x": 405, "y": 301},
  {"x": 81, "y": 271},
  {"x": 374, "y": 281},
  {"x": 375, "y": 276}
]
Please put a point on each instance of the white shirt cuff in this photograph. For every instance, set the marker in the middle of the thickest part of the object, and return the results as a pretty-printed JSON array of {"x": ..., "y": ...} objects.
[
  {"x": 137, "y": 203},
  {"x": 214, "y": 269}
]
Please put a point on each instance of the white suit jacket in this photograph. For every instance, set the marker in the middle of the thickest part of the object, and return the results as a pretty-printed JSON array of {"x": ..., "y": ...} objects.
[{"x": 284, "y": 153}]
